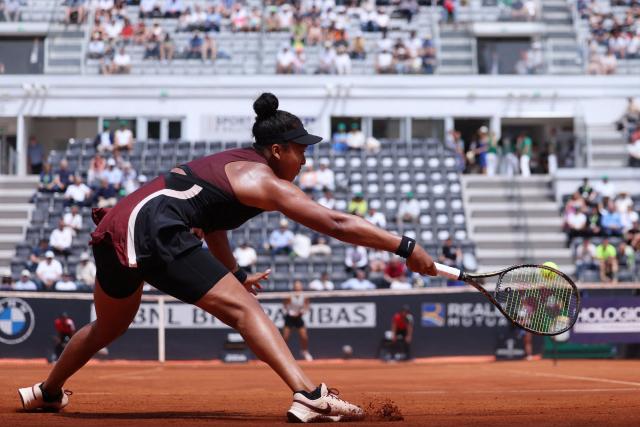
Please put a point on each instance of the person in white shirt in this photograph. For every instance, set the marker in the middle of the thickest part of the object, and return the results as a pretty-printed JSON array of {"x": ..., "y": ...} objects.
[
  {"x": 325, "y": 178},
  {"x": 66, "y": 284},
  {"x": 285, "y": 61},
  {"x": 245, "y": 256},
  {"x": 623, "y": 201},
  {"x": 327, "y": 200},
  {"x": 60, "y": 239},
  {"x": 113, "y": 174},
  {"x": 606, "y": 188},
  {"x": 376, "y": 218},
  {"x": 123, "y": 138},
  {"x": 577, "y": 222},
  {"x": 25, "y": 283},
  {"x": 320, "y": 247},
  {"x": 355, "y": 258},
  {"x": 86, "y": 271},
  {"x": 358, "y": 283},
  {"x": 400, "y": 285},
  {"x": 73, "y": 219},
  {"x": 327, "y": 61},
  {"x": 121, "y": 62},
  {"x": 129, "y": 178},
  {"x": 49, "y": 270},
  {"x": 384, "y": 64},
  {"x": 302, "y": 245},
  {"x": 322, "y": 284},
  {"x": 308, "y": 178},
  {"x": 77, "y": 192},
  {"x": 356, "y": 139},
  {"x": 343, "y": 61},
  {"x": 585, "y": 259},
  {"x": 408, "y": 210}
]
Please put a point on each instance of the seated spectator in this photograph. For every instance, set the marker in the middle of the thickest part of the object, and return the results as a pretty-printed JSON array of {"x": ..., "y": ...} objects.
[
  {"x": 358, "y": 283},
  {"x": 627, "y": 258},
  {"x": 150, "y": 9},
  {"x": 60, "y": 239},
  {"x": 75, "y": 12},
  {"x": 629, "y": 218},
  {"x": 308, "y": 178},
  {"x": 106, "y": 195},
  {"x": 327, "y": 200},
  {"x": 123, "y": 139},
  {"x": 25, "y": 283},
  {"x": 49, "y": 271},
  {"x": 325, "y": 178},
  {"x": 376, "y": 218},
  {"x": 428, "y": 56},
  {"x": 97, "y": 166},
  {"x": 152, "y": 48},
  {"x": 209, "y": 49},
  {"x": 285, "y": 61},
  {"x": 246, "y": 256},
  {"x": 96, "y": 48},
  {"x": 86, "y": 271},
  {"x": 77, "y": 193},
  {"x": 129, "y": 180},
  {"x": 103, "y": 142},
  {"x": 610, "y": 220},
  {"x": 63, "y": 178},
  {"x": 66, "y": 284},
  {"x": 609, "y": 63},
  {"x": 173, "y": 8},
  {"x": 7, "y": 281},
  {"x": 47, "y": 183},
  {"x": 408, "y": 210},
  {"x": 585, "y": 259},
  {"x": 451, "y": 255},
  {"x": 321, "y": 284},
  {"x": 356, "y": 139},
  {"x": 320, "y": 247},
  {"x": 588, "y": 193},
  {"x": 339, "y": 139},
  {"x": 395, "y": 271},
  {"x": 358, "y": 48},
  {"x": 358, "y": 205},
  {"x": 607, "y": 257},
  {"x": 73, "y": 219},
  {"x": 606, "y": 188},
  {"x": 195, "y": 46},
  {"x": 377, "y": 263},
  {"x": 384, "y": 62},
  {"x": 577, "y": 223},
  {"x": 299, "y": 61},
  {"x": 355, "y": 258},
  {"x": 37, "y": 254},
  {"x": 327, "y": 60},
  {"x": 281, "y": 239},
  {"x": 343, "y": 61},
  {"x": 113, "y": 174},
  {"x": 121, "y": 63},
  {"x": 623, "y": 202},
  {"x": 167, "y": 49}
]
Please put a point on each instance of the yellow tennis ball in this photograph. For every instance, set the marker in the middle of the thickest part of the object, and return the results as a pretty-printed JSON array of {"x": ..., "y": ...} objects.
[{"x": 548, "y": 274}]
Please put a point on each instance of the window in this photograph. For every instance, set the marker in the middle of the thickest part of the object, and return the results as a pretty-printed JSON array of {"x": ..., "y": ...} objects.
[
  {"x": 386, "y": 128},
  {"x": 175, "y": 129}
]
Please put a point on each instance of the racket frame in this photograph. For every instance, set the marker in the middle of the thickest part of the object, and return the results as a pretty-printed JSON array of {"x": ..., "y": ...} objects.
[{"x": 453, "y": 273}]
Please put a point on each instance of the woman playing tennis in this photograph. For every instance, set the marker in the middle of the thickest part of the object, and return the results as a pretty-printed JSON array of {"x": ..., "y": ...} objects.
[{"x": 147, "y": 238}]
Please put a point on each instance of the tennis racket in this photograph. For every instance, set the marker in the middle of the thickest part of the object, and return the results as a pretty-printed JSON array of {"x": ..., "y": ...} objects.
[{"x": 537, "y": 298}]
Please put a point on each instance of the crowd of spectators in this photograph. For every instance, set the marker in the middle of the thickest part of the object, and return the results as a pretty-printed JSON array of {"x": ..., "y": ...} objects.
[
  {"x": 600, "y": 213},
  {"x": 617, "y": 36},
  {"x": 11, "y": 10}
]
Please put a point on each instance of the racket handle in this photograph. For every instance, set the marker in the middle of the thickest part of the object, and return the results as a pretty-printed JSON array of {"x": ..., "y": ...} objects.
[{"x": 448, "y": 272}]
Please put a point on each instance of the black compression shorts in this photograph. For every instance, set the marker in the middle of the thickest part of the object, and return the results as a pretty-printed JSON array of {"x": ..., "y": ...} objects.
[
  {"x": 293, "y": 321},
  {"x": 188, "y": 277}
]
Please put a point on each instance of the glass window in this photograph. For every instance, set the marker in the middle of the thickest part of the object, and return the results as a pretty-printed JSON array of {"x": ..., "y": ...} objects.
[
  {"x": 427, "y": 128},
  {"x": 153, "y": 129},
  {"x": 386, "y": 128},
  {"x": 175, "y": 129}
]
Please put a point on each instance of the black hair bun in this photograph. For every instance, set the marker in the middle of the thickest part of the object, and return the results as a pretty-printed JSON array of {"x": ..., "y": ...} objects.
[{"x": 266, "y": 105}]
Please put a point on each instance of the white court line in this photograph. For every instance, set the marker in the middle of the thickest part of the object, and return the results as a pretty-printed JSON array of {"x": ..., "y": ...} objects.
[
  {"x": 546, "y": 391},
  {"x": 573, "y": 377}
]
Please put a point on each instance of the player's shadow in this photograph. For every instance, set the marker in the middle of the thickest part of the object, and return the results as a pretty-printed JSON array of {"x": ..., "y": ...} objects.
[{"x": 175, "y": 415}]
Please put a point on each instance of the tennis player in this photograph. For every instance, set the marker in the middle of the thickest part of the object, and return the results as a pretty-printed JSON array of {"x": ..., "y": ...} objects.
[
  {"x": 295, "y": 306},
  {"x": 146, "y": 237}
]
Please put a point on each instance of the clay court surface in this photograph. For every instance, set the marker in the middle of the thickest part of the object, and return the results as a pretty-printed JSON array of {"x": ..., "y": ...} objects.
[{"x": 428, "y": 393}]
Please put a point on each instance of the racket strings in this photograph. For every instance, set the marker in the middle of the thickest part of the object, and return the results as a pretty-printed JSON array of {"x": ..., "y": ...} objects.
[{"x": 537, "y": 298}]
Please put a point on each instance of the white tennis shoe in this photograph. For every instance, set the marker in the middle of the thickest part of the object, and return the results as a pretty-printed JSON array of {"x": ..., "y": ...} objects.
[
  {"x": 326, "y": 408},
  {"x": 33, "y": 399}
]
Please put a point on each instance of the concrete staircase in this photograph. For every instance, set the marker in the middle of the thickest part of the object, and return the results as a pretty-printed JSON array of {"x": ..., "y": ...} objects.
[
  {"x": 562, "y": 47},
  {"x": 456, "y": 50},
  {"x": 514, "y": 221},
  {"x": 65, "y": 49},
  {"x": 608, "y": 148},
  {"x": 15, "y": 214}
]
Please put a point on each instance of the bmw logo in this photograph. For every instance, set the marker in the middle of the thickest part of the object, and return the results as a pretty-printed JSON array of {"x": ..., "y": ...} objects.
[{"x": 16, "y": 320}]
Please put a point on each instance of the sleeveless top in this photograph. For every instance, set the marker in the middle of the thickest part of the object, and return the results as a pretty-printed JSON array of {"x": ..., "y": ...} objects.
[
  {"x": 296, "y": 305},
  {"x": 156, "y": 219}
]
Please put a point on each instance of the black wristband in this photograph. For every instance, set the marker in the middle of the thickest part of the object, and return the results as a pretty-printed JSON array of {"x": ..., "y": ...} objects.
[
  {"x": 407, "y": 244},
  {"x": 241, "y": 275}
]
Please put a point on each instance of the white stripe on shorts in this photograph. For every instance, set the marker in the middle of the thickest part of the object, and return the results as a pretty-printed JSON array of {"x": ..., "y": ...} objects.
[{"x": 183, "y": 195}]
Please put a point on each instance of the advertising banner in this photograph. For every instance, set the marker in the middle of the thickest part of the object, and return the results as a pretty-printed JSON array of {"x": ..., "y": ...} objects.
[{"x": 608, "y": 320}]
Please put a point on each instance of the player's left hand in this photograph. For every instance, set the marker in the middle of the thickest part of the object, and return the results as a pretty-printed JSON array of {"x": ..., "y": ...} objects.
[{"x": 252, "y": 284}]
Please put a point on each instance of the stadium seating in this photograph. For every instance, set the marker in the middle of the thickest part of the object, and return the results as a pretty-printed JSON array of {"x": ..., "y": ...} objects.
[{"x": 424, "y": 167}]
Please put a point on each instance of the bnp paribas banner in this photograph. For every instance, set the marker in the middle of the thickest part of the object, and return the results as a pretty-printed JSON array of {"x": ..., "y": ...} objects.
[{"x": 608, "y": 320}]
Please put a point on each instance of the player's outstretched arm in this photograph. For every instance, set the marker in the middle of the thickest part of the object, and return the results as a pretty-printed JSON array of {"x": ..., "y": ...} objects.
[{"x": 266, "y": 191}]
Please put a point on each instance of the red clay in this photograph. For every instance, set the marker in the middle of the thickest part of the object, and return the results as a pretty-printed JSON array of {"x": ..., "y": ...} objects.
[{"x": 573, "y": 393}]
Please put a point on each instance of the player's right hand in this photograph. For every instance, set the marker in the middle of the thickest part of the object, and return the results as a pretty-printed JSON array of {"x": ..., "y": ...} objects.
[{"x": 421, "y": 262}]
